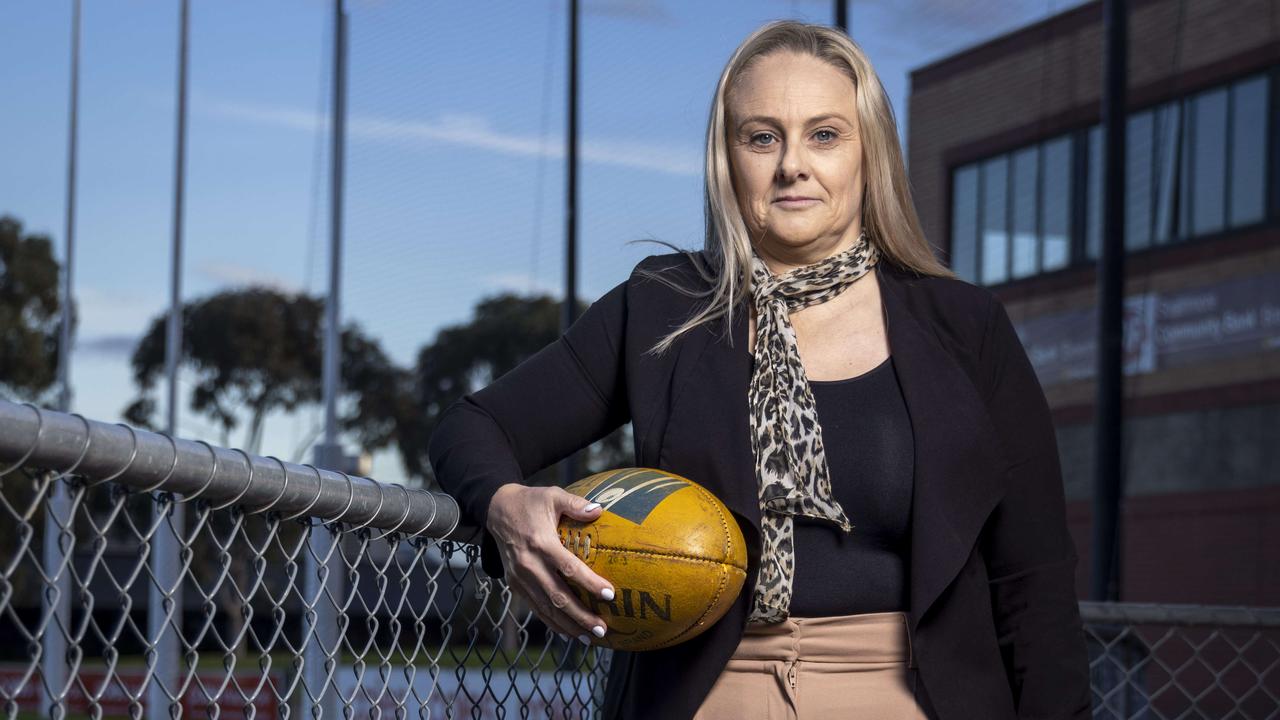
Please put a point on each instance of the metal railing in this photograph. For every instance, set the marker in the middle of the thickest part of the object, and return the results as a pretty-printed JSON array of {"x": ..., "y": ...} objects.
[{"x": 305, "y": 592}]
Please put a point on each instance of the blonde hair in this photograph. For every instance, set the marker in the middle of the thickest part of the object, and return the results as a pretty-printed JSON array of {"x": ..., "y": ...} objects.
[{"x": 889, "y": 216}]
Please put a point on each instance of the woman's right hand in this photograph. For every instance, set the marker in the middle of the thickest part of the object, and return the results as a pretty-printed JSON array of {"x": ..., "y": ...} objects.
[{"x": 523, "y": 519}]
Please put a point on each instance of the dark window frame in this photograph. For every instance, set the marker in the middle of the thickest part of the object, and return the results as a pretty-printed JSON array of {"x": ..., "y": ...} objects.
[{"x": 1078, "y": 249}]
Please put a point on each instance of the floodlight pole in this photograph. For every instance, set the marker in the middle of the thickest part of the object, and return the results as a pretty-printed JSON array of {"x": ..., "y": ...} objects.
[
  {"x": 57, "y": 602},
  {"x": 164, "y": 595},
  {"x": 1109, "y": 417},
  {"x": 569, "y": 467}
]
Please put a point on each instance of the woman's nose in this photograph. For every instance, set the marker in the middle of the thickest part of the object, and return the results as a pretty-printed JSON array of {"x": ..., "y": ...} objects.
[{"x": 792, "y": 163}]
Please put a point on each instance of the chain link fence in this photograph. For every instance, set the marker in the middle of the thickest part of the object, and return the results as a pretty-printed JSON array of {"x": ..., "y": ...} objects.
[
  {"x": 1153, "y": 661},
  {"x": 302, "y": 592},
  {"x": 297, "y": 592}
]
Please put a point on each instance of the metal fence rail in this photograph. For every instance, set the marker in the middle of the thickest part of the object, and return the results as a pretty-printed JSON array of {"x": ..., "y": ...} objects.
[
  {"x": 152, "y": 462},
  {"x": 307, "y": 592}
]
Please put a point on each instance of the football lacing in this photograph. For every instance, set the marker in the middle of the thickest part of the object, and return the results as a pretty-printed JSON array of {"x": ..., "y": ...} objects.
[{"x": 577, "y": 542}]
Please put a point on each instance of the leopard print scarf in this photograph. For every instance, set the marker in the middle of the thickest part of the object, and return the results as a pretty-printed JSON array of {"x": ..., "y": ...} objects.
[{"x": 786, "y": 439}]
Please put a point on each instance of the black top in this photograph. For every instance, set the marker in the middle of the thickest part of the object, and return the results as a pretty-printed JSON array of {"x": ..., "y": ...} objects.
[{"x": 866, "y": 433}]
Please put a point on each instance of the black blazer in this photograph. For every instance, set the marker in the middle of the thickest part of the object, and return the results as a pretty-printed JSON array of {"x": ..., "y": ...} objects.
[{"x": 993, "y": 616}]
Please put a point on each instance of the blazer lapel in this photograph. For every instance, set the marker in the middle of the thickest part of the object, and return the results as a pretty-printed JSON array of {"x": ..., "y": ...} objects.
[
  {"x": 958, "y": 476},
  {"x": 707, "y": 437},
  {"x": 959, "y": 473}
]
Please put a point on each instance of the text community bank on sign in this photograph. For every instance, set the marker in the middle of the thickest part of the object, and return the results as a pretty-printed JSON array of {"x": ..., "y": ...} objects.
[{"x": 1162, "y": 330}]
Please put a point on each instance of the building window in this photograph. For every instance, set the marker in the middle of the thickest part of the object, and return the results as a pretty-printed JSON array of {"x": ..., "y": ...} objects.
[
  {"x": 964, "y": 223},
  {"x": 1194, "y": 166},
  {"x": 1249, "y": 151},
  {"x": 1208, "y": 162},
  {"x": 995, "y": 220},
  {"x": 1152, "y": 164},
  {"x": 1166, "y": 160},
  {"x": 1137, "y": 173},
  {"x": 1026, "y": 177},
  {"x": 1011, "y": 214},
  {"x": 1055, "y": 205}
]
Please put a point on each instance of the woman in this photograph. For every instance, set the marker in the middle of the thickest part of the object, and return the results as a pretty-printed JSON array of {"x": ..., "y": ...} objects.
[{"x": 873, "y": 423}]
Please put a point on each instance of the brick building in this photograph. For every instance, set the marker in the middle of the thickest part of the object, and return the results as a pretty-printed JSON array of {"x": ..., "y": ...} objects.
[{"x": 1005, "y": 162}]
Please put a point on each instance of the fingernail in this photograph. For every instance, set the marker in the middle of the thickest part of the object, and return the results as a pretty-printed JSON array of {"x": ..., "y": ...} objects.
[
  {"x": 607, "y": 593},
  {"x": 591, "y": 508},
  {"x": 598, "y": 630},
  {"x": 583, "y": 639}
]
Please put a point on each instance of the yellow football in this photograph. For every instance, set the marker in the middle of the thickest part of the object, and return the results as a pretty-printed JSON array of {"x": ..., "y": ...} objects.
[{"x": 671, "y": 549}]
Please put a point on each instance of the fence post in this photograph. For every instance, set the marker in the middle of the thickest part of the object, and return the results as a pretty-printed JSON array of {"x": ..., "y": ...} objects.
[
  {"x": 55, "y": 601},
  {"x": 323, "y": 570},
  {"x": 164, "y": 608}
]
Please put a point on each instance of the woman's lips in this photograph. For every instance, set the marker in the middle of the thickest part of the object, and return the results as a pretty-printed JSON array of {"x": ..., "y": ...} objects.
[{"x": 795, "y": 203}]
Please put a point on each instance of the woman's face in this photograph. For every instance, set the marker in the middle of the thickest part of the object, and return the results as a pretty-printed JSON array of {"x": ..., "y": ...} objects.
[{"x": 796, "y": 157}]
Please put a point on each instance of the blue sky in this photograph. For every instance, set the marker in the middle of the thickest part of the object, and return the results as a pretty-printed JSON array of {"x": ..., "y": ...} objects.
[{"x": 455, "y": 165}]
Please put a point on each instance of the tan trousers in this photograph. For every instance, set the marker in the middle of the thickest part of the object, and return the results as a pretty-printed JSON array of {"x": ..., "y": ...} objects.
[{"x": 851, "y": 667}]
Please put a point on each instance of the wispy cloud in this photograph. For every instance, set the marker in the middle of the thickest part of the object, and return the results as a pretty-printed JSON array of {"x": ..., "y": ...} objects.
[
  {"x": 225, "y": 272},
  {"x": 464, "y": 130},
  {"x": 119, "y": 346},
  {"x": 109, "y": 312},
  {"x": 111, "y": 320}
]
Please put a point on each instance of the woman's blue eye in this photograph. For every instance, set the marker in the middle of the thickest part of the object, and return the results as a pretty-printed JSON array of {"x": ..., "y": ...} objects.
[
  {"x": 757, "y": 136},
  {"x": 827, "y": 132}
]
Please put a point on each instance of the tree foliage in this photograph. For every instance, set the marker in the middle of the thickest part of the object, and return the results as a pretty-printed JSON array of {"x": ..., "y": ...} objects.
[
  {"x": 255, "y": 350},
  {"x": 29, "y": 311},
  {"x": 505, "y": 331}
]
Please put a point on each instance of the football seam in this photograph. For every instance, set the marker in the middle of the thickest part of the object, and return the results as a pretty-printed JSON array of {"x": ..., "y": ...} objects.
[
  {"x": 715, "y": 600},
  {"x": 724, "y": 526},
  {"x": 652, "y": 553},
  {"x": 724, "y": 576}
]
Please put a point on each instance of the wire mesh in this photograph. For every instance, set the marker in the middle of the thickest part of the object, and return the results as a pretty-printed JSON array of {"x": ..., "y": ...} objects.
[
  {"x": 1151, "y": 661},
  {"x": 417, "y": 629},
  {"x": 420, "y": 632}
]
